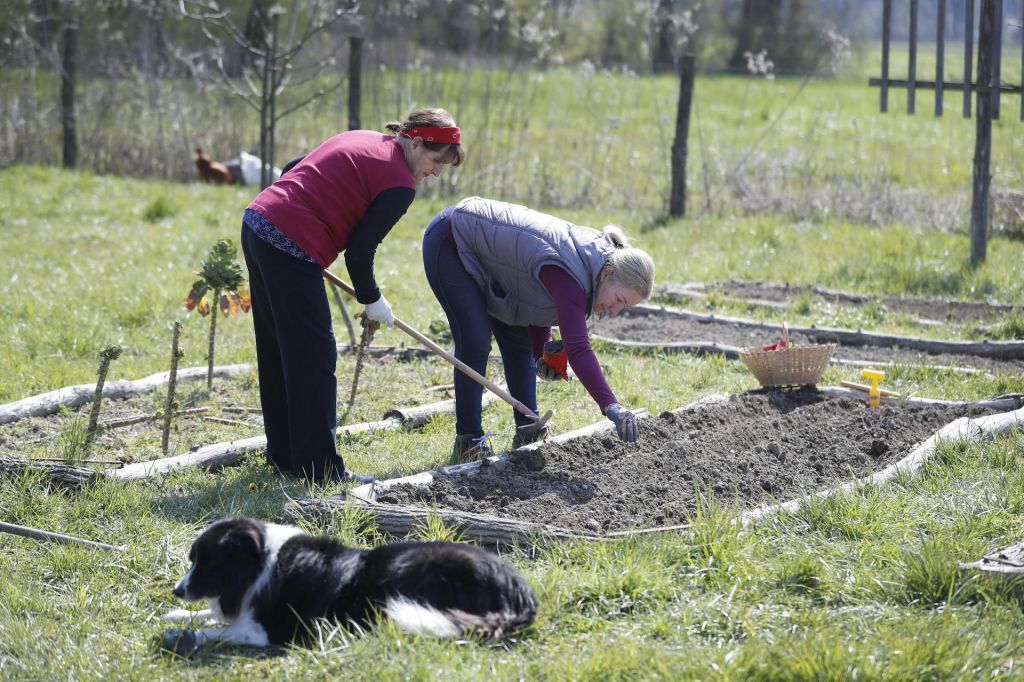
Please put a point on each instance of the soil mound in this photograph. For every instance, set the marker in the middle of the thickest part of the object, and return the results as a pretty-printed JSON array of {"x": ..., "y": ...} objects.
[{"x": 757, "y": 448}]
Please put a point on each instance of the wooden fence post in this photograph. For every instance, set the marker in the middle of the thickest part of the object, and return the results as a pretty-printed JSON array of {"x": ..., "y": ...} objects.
[
  {"x": 912, "y": 57},
  {"x": 968, "y": 55},
  {"x": 69, "y": 123},
  {"x": 886, "y": 39},
  {"x": 355, "y": 80},
  {"x": 983, "y": 134},
  {"x": 677, "y": 198},
  {"x": 940, "y": 55}
]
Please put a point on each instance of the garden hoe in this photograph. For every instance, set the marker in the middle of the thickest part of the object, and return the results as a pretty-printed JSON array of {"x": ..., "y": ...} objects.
[{"x": 539, "y": 422}]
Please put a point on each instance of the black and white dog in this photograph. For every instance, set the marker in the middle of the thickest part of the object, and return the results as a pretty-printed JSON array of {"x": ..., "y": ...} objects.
[{"x": 271, "y": 582}]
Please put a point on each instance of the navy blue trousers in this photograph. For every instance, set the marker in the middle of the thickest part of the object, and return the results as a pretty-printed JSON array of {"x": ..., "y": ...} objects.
[
  {"x": 296, "y": 356},
  {"x": 472, "y": 329}
]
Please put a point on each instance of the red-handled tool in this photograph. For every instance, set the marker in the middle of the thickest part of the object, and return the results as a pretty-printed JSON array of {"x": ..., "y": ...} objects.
[{"x": 555, "y": 358}]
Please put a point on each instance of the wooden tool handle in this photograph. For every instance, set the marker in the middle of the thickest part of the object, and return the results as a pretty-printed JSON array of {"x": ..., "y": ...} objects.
[
  {"x": 37, "y": 534},
  {"x": 517, "y": 405}
]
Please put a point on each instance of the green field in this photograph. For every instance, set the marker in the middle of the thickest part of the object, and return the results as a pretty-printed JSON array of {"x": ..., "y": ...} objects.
[
  {"x": 862, "y": 586},
  {"x": 815, "y": 148}
]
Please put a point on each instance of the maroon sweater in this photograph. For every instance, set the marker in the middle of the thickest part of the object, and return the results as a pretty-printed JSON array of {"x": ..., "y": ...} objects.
[
  {"x": 571, "y": 304},
  {"x": 348, "y": 192}
]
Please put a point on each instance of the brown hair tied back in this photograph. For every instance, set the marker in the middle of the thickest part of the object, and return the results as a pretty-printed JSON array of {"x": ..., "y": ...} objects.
[{"x": 431, "y": 118}]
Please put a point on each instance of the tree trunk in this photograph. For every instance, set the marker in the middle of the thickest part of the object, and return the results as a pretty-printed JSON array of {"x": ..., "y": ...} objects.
[
  {"x": 67, "y": 95},
  {"x": 355, "y": 81},
  {"x": 43, "y": 29},
  {"x": 267, "y": 159},
  {"x": 172, "y": 384},
  {"x": 677, "y": 198},
  {"x": 663, "y": 58},
  {"x": 213, "y": 338},
  {"x": 758, "y": 29},
  {"x": 107, "y": 355}
]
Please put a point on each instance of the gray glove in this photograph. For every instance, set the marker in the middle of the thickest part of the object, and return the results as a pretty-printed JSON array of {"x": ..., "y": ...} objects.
[
  {"x": 625, "y": 422},
  {"x": 545, "y": 371}
]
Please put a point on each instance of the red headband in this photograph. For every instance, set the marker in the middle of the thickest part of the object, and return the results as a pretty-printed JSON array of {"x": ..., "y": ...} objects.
[{"x": 439, "y": 135}]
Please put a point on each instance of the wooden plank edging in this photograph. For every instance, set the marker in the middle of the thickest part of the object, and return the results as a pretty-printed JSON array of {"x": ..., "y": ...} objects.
[
  {"x": 50, "y": 402},
  {"x": 73, "y": 396},
  {"x": 733, "y": 353},
  {"x": 215, "y": 455},
  {"x": 1007, "y": 350}
]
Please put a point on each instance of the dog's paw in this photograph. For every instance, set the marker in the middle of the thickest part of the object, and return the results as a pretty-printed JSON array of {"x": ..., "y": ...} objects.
[
  {"x": 180, "y": 642},
  {"x": 179, "y": 616}
]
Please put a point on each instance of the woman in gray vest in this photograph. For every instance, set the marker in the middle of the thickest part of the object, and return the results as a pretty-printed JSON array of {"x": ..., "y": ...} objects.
[{"x": 507, "y": 271}]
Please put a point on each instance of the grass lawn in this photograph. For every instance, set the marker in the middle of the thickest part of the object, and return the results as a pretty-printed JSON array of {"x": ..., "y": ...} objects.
[{"x": 861, "y": 586}]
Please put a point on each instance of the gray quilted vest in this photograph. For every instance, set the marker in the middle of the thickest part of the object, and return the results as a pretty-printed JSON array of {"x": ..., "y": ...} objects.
[{"x": 504, "y": 246}]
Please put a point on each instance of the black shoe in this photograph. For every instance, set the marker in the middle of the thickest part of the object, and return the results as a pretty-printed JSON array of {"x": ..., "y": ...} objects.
[
  {"x": 527, "y": 435},
  {"x": 469, "y": 448}
]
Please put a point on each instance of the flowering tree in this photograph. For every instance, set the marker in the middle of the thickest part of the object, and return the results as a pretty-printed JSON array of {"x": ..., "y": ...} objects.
[{"x": 220, "y": 285}]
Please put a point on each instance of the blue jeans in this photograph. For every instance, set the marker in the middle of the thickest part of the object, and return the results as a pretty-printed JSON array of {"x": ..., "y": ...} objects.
[
  {"x": 472, "y": 329},
  {"x": 296, "y": 355}
]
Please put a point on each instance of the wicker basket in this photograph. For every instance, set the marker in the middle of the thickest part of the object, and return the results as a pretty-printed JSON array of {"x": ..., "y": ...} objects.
[{"x": 790, "y": 366}]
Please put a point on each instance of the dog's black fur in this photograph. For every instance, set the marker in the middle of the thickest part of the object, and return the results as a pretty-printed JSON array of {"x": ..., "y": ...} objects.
[{"x": 271, "y": 582}]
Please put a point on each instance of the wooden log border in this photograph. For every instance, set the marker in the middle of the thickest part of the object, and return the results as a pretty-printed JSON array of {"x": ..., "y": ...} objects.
[
  {"x": 677, "y": 292},
  {"x": 1003, "y": 564},
  {"x": 1004, "y": 350},
  {"x": 490, "y": 529},
  {"x": 216, "y": 455},
  {"x": 48, "y": 403},
  {"x": 74, "y": 396},
  {"x": 733, "y": 353}
]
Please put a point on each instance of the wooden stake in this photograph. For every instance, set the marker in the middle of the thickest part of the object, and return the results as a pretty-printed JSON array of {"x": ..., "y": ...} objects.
[{"x": 37, "y": 534}]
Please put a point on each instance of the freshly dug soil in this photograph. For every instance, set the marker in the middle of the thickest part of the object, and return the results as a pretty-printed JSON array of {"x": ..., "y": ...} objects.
[
  {"x": 940, "y": 310},
  {"x": 759, "y": 447},
  {"x": 649, "y": 326}
]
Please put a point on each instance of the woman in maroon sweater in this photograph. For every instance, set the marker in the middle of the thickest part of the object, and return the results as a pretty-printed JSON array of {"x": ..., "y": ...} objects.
[{"x": 344, "y": 196}]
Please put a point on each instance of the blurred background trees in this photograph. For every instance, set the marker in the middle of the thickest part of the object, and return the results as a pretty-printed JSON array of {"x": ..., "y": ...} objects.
[
  {"x": 154, "y": 37},
  {"x": 557, "y": 97}
]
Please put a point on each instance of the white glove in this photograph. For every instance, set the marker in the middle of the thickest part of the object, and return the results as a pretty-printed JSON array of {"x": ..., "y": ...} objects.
[{"x": 380, "y": 311}]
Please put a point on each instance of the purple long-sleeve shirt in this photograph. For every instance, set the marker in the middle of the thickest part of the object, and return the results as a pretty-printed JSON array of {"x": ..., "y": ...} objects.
[{"x": 571, "y": 307}]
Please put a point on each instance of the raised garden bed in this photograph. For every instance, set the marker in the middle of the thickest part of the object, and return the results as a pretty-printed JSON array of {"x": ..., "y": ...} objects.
[
  {"x": 747, "y": 451},
  {"x": 780, "y": 296},
  {"x": 215, "y": 429},
  {"x": 654, "y": 327}
]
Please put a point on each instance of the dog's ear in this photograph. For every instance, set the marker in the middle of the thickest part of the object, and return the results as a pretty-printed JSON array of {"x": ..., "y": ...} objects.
[{"x": 245, "y": 540}]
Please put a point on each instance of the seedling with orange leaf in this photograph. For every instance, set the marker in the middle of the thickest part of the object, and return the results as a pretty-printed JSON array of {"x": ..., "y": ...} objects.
[{"x": 220, "y": 285}]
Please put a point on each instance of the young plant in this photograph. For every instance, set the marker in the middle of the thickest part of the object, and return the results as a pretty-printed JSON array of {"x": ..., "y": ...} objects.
[
  {"x": 70, "y": 441},
  {"x": 107, "y": 355},
  {"x": 219, "y": 285}
]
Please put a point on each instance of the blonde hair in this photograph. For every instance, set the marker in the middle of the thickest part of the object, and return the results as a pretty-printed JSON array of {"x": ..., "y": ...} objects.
[
  {"x": 631, "y": 267},
  {"x": 431, "y": 118}
]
